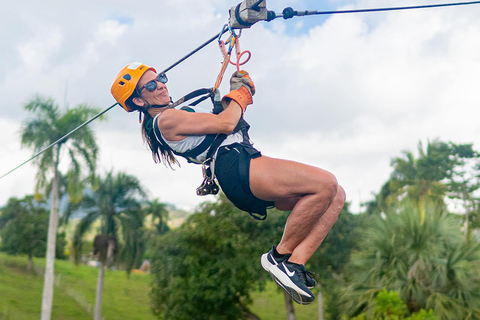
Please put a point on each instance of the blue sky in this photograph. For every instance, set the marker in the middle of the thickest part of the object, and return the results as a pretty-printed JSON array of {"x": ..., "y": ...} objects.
[{"x": 346, "y": 92}]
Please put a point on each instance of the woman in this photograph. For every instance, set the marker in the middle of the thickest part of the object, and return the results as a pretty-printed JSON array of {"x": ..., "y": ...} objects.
[{"x": 252, "y": 181}]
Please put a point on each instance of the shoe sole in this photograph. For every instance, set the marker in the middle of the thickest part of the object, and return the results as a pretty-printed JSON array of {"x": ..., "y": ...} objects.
[
  {"x": 284, "y": 282},
  {"x": 265, "y": 263},
  {"x": 311, "y": 287}
]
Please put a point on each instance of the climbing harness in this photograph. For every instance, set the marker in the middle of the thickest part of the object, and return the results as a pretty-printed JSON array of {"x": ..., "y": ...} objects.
[
  {"x": 211, "y": 142},
  {"x": 201, "y": 94}
]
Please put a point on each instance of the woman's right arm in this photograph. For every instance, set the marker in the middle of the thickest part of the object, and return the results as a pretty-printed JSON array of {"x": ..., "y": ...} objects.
[{"x": 177, "y": 124}]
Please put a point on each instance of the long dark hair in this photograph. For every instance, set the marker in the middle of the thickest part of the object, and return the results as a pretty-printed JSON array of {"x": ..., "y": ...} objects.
[{"x": 159, "y": 152}]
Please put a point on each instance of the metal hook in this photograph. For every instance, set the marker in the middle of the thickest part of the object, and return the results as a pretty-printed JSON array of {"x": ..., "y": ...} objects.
[{"x": 224, "y": 28}]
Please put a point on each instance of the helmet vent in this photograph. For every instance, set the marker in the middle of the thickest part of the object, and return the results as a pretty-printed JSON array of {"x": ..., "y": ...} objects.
[{"x": 127, "y": 77}]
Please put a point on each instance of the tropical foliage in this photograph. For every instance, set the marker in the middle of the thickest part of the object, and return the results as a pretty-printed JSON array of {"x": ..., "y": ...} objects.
[
  {"x": 433, "y": 175},
  {"x": 158, "y": 213},
  {"x": 50, "y": 124},
  {"x": 420, "y": 253},
  {"x": 409, "y": 257},
  {"x": 208, "y": 267},
  {"x": 116, "y": 203},
  {"x": 388, "y": 306},
  {"x": 23, "y": 229}
]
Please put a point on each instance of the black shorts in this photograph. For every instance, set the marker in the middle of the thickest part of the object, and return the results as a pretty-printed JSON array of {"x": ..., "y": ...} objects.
[{"x": 232, "y": 167}]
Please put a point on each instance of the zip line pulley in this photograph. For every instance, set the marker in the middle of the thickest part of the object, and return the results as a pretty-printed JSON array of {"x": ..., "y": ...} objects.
[{"x": 249, "y": 12}]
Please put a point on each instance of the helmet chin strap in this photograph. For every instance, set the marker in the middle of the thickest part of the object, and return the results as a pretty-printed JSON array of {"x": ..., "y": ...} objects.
[{"x": 148, "y": 106}]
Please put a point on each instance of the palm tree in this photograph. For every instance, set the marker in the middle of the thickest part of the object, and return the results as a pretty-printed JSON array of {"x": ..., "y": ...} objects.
[
  {"x": 50, "y": 124},
  {"x": 159, "y": 213},
  {"x": 419, "y": 178},
  {"x": 425, "y": 259},
  {"x": 440, "y": 170},
  {"x": 117, "y": 204}
]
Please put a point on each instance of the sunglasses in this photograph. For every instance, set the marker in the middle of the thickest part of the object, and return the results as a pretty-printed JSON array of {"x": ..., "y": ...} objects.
[{"x": 152, "y": 84}]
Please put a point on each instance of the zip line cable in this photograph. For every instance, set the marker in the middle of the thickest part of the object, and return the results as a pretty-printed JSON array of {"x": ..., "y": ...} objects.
[
  {"x": 108, "y": 109},
  {"x": 195, "y": 51},
  {"x": 61, "y": 139},
  {"x": 290, "y": 13},
  {"x": 286, "y": 14}
]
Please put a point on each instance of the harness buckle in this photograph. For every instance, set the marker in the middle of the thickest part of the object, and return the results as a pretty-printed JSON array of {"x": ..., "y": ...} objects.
[{"x": 208, "y": 186}]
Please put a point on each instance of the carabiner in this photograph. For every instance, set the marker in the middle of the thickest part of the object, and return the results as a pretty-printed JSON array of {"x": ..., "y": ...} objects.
[
  {"x": 224, "y": 28},
  {"x": 231, "y": 40},
  {"x": 231, "y": 30}
]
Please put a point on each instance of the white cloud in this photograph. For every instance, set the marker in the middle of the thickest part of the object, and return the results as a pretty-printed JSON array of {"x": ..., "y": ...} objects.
[
  {"x": 38, "y": 51},
  {"x": 12, "y": 155},
  {"x": 348, "y": 95},
  {"x": 110, "y": 31}
]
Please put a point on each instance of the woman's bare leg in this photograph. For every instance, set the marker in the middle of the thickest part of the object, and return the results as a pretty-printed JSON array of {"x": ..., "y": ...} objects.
[
  {"x": 305, "y": 249},
  {"x": 311, "y": 193}
]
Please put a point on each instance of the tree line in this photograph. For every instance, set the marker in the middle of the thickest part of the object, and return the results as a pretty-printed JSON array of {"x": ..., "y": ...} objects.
[
  {"x": 413, "y": 253},
  {"x": 115, "y": 200}
]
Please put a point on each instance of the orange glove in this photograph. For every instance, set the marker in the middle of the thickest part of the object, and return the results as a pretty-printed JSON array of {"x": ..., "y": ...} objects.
[{"x": 241, "y": 90}]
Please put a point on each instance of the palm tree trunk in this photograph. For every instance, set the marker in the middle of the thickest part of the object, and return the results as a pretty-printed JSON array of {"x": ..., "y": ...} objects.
[
  {"x": 289, "y": 306},
  {"x": 467, "y": 218},
  {"x": 467, "y": 210},
  {"x": 50, "y": 258},
  {"x": 101, "y": 276},
  {"x": 30, "y": 262},
  {"x": 320, "y": 304},
  {"x": 99, "y": 293}
]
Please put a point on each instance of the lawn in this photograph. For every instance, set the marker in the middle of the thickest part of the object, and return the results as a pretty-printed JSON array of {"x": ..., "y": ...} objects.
[
  {"x": 123, "y": 298},
  {"x": 74, "y": 295},
  {"x": 270, "y": 305}
]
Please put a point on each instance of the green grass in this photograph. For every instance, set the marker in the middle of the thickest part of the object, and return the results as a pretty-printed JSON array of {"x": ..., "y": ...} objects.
[
  {"x": 21, "y": 294},
  {"x": 122, "y": 298},
  {"x": 270, "y": 305},
  {"x": 74, "y": 295}
]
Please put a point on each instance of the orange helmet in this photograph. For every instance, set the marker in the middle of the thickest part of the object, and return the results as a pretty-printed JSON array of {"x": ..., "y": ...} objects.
[{"x": 126, "y": 81}]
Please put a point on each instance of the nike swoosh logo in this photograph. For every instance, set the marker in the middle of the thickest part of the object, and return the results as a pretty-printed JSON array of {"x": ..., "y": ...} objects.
[
  {"x": 289, "y": 273},
  {"x": 273, "y": 259}
]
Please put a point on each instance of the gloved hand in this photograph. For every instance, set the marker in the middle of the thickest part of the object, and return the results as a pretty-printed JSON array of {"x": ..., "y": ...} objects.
[
  {"x": 242, "y": 79},
  {"x": 241, "y": 90}
]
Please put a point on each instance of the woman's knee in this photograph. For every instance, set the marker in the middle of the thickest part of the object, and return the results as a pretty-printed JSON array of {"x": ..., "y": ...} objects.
[
  {"x": 339, "y": 200},
  {"x": 327, "y": 185},
  {"x": 341, "y": 195}
]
